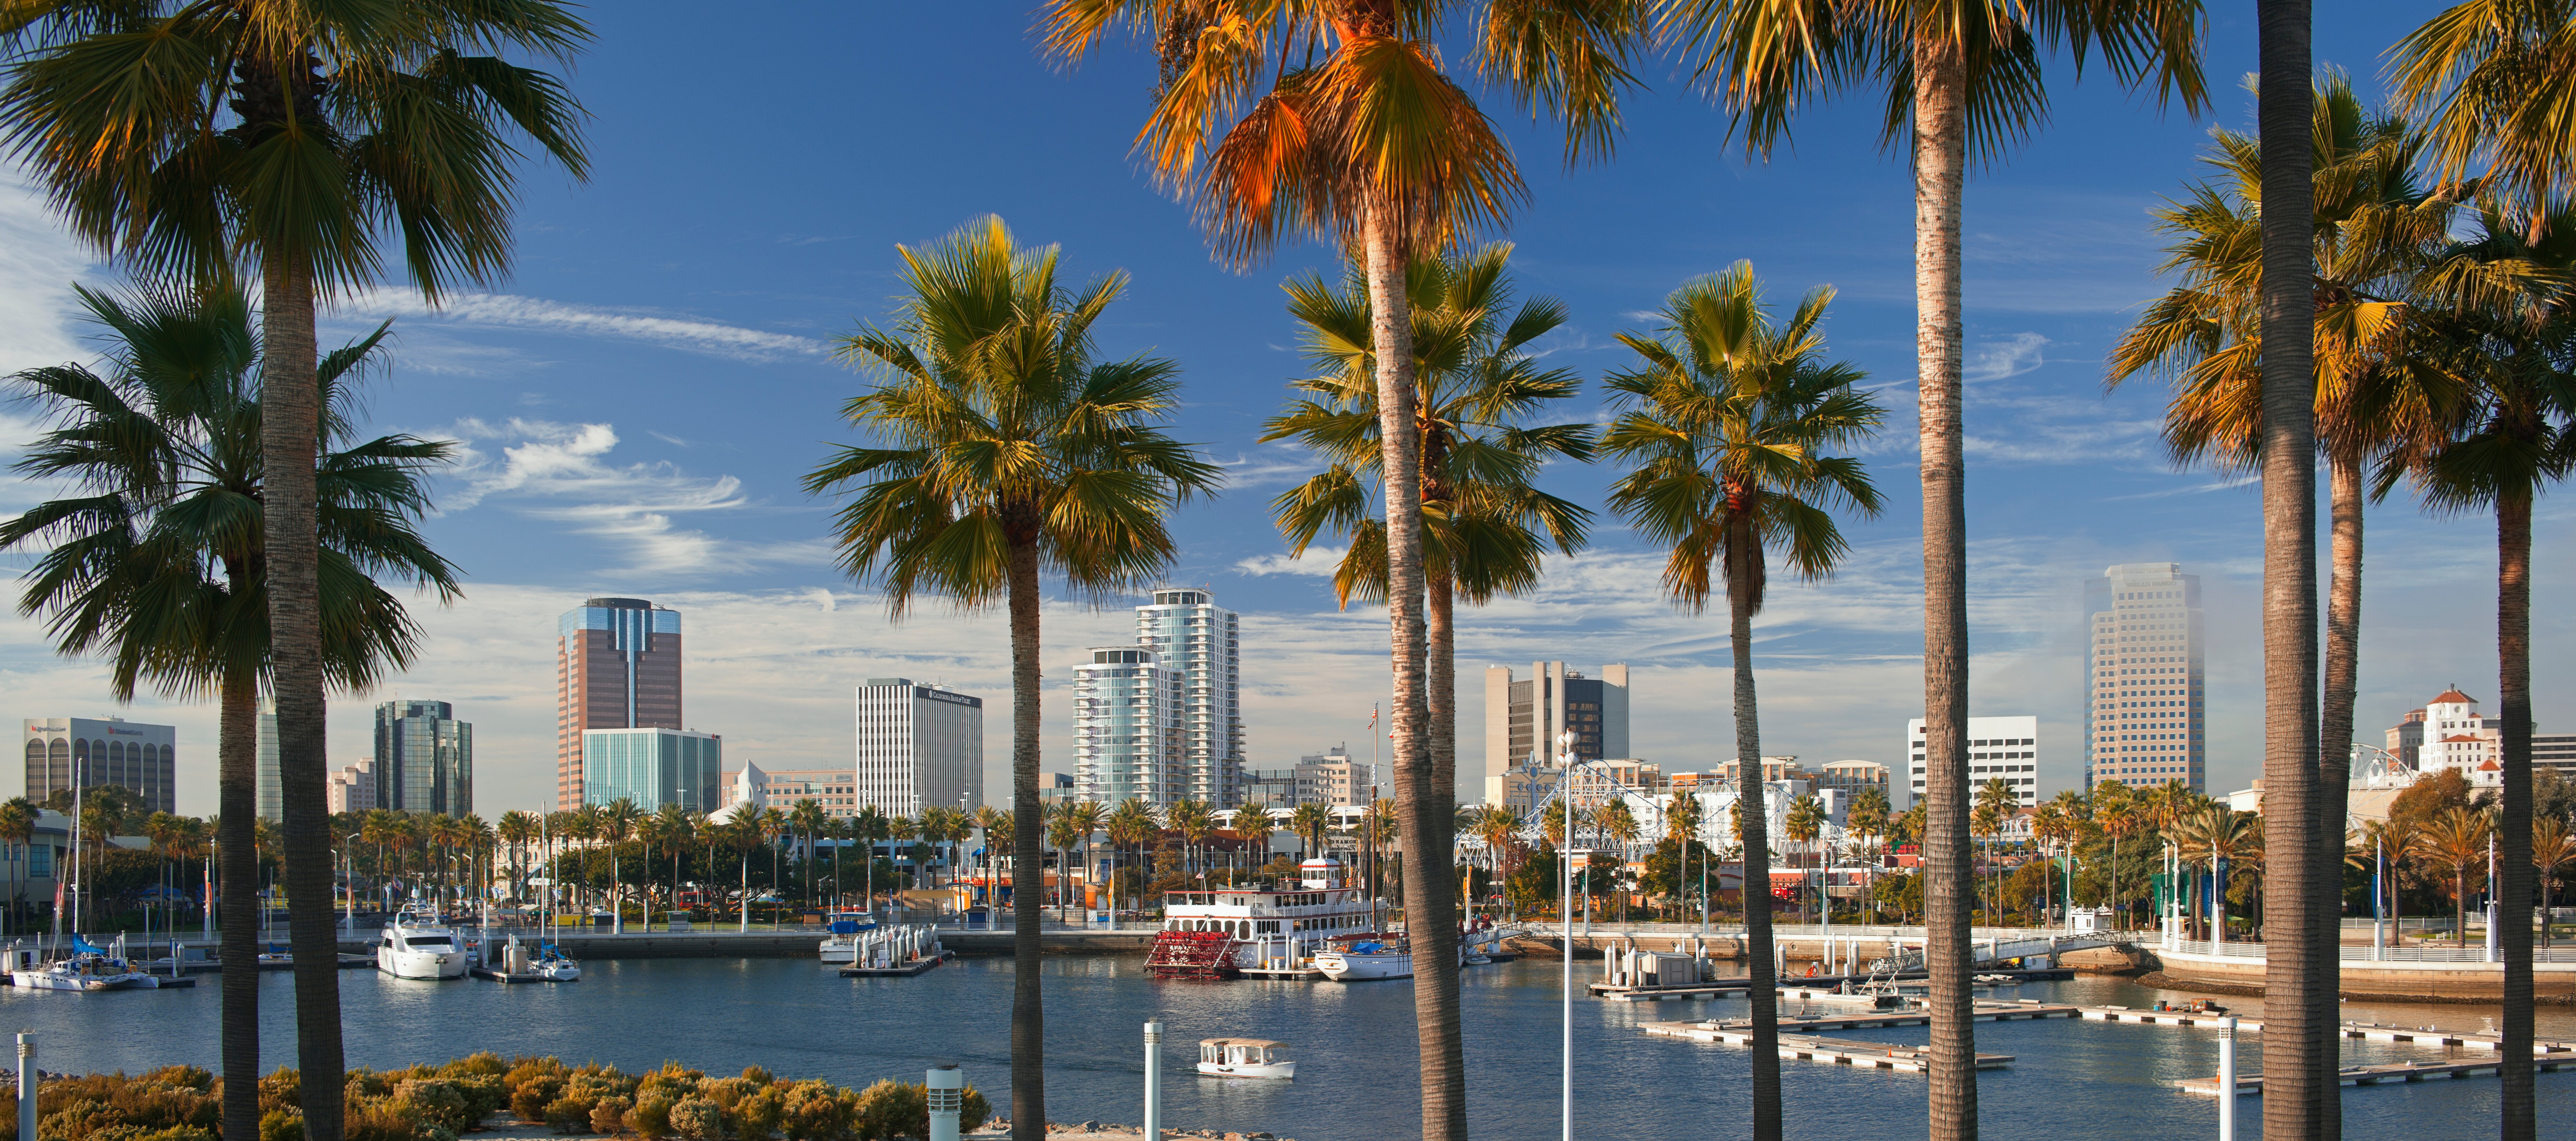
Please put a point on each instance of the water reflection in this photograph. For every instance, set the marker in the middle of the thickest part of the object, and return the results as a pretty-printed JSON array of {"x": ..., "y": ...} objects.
[{"x": 1354, "y": 1045}]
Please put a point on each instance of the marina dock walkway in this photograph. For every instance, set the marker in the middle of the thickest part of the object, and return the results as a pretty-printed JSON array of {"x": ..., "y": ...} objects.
[
  {"x": 1835, "y": 1051},
  {"x": 2252, "y": 1085}
]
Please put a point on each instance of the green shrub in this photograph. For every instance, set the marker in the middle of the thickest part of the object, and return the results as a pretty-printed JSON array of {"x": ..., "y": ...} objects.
[
  {"x": 439, "y": 1103},
  {"x": 281, "y": 1125},
  {"x": 609, "y": 1116},
  {"x": 530, "y": 1098},
  {"x": 891, "y": 1109},
  {"x": 756, "y": 1116},
  {"x": 973, "y": 1111},
  {"x": 651, "y": 1118},
  {"x": 697, "y": 1119},
  {"x": 280, "y": 1090},
  {"x": 385, "y": 1119},
  {"x": 570, "y": 1114},
  {"x": 818, "y": 1111}
]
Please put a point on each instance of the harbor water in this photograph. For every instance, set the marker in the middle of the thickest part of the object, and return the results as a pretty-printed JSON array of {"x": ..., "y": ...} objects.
[{"x": 1354, "y": 1046}]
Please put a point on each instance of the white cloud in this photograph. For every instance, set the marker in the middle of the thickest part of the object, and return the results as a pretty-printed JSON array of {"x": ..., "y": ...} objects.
[
  {"x": 503, "y": 311},
  {"x": 2010, "y": 357},
  {"x": 38, "y": 265},
  {"x": 562, "y": 472},
  {"x": 1316, "y": 562},
  {"x": 1272, "y": 465}
]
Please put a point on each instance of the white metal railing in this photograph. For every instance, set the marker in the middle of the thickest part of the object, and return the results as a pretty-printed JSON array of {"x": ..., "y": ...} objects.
[{"x": 2352, "y": 954}]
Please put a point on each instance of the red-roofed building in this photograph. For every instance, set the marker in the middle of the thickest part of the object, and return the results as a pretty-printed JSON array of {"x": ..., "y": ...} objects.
[{"x": 2450, "y": 733}]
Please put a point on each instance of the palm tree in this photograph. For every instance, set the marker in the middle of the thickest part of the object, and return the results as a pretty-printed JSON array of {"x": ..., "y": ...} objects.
[
  {"x": 1996, "y": 803},
  {"x": 2394, "y": 843},
  {"x": 1061, "y": 836},
  {"x": 518, "y": 828},
  {"x": 2219, "y": 836},
  {"x": 2552, "y": 848},
  {"x": 1130, "y": 825},
  {"x": 2456, "y": 841},
  {"x": 678, "y": 828},
  {"x": 870, "y": 828},
  {"x": 988, "y": 820},
  {"x": 1618, "y": 823},
  {"x": 1963, "y": 77},
  {"x": 1477, "y": 386},
  {"x": 616, "y": 826},
  {"x": 18, "y": 828},
  {"x": 2374, "y": 229},
  {"x": 1193, "y": 821},
  {"x": 904, "y": 829},
  {"x": 1087, "y": 491},
  {"x": 161, "y": 565},
  {"x": 1729, "y": 418},
  {"x": 806, "y": 818},
  {"x": 343, "y": 127},
  {"x": 1362, "y": 137},
  {"x": 1084, "y": 818},
  {"x": 1311, "y": 821},
  {"x": 1804, "y": 822}
]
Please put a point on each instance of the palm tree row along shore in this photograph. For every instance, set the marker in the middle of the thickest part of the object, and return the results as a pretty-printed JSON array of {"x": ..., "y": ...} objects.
[{"x": 2403, "y": 310}]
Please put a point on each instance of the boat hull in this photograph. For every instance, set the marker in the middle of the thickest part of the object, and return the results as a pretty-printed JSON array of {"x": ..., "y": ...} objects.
[
  {"x": 1253, "y": 1070},
  {"x": 1347, "y": 967},
  {"x": 424, "y": 965}
]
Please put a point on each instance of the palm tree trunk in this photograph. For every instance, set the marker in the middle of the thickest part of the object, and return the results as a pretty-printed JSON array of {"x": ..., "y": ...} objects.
[
  {"x": 1763, "y": 989},
  {"x": 1431, "y": 907},
  {"x": 2293, "y": 1105},
  {"x": 1940, "y": 170},
  {"x": 2334, "y": 773},
  {"x": 237, "y": 784},
  {"x": 290, "y": 434},
  {"x": 1028, "y": 1012},
  {"x": 2513, "y": 887}
]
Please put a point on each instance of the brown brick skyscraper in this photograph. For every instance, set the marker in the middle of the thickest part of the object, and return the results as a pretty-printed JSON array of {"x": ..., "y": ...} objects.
[{"x": 617, "y": 666}]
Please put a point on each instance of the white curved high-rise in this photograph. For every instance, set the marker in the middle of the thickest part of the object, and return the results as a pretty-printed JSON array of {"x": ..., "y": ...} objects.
[{"x": 1163, "y": 720}]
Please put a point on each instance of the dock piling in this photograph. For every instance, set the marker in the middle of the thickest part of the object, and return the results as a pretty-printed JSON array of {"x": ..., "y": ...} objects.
[
  {"x": 26, "y": 1085},
  {"x": 2227, "y": 1078},
  {"x": 1153, "y": 1081}
]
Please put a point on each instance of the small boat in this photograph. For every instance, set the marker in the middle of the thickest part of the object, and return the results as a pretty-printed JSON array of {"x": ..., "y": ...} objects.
[
  {"x": 841, "y": 946},
  {"x": 410, "y": 949},
  {"x": 1361, "y": 960},
  {"x": 1480, "y": 959},
  {"x": 84, "y": 971},
  {"x": 556, "y": 967},
  {"x": 1244, "y": 1058}
]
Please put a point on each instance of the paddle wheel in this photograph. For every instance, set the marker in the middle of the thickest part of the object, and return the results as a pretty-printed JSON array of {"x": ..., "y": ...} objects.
[{"x": 1191, "y": 955}]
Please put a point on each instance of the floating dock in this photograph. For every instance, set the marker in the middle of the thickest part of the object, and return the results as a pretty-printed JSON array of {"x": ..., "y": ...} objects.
[
  {"x": 2373, "y": 1075},
  {"x": 2372, "y": 1031},
  {"x": 1292, "y": 974},
  {"x": 508, "y": 977},
  {"x": 1833, "y": 1051}
]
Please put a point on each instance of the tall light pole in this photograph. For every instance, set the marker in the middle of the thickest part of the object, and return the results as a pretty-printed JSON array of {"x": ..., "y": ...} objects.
[
  {"x": 349, "y": 879},
  {"x": 1565, "y": 911}
]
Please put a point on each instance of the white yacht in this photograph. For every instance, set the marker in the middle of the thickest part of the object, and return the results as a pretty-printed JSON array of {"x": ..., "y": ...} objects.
[
  {"x": 556, "y": 967},
  {"x": 841, "y": 943},
  {"x": 1362, "y": 958},
  {"x": 414, "y": 949},
  {"x": 1225, "y": 931},
  {"x": 87, "y": 970},
  {"x": 1244, "y": 1058}
]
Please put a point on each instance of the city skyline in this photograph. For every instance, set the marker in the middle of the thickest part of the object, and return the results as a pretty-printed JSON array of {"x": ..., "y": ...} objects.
[{"x": 616, "y": 406}]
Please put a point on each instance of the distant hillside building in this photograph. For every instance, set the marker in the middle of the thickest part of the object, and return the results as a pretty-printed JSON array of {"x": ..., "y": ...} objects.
[
  {"x": 2450, "y": 733},
  {"x": 140, "y": 758}
]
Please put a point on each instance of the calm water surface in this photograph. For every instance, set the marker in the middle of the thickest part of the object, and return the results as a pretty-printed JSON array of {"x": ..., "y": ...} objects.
[{"x": 1354, "y": 1045}]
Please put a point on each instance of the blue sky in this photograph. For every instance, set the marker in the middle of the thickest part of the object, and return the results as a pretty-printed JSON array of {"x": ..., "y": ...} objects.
[{"x": 637, "y": 403}]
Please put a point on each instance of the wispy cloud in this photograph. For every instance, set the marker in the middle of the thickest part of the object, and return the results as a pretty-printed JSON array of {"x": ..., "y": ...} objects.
[
  {"x": 1316, "y": 562},
  {"x": 563, "y": 473},
  {"x": 2009, "y": 357},
  {"x": 1272, "y": 465},
  {"x": 531, "y": 314},
  {"x": 38, "y": 264}
]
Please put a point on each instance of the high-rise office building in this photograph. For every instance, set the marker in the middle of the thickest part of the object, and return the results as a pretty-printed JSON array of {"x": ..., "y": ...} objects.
[
  {"x": 1127, "y": 727},
  {"x": 617, "y": 666},
  {"x": 140, "y": 758},
  {"x": 1523, "y": 718},
  {"x": 2145, "y": 721},
  {"x": 920, "y": 746},
  {"x": 1198, "y": 642},
  {"x": 424, "y": 760},
  {"x": 653, "y": 766},
  {"x": 1999, "y": 748}
]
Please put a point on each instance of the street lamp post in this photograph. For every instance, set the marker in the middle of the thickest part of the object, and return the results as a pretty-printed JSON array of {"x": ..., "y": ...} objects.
[{"x": 349, "y": 880}]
